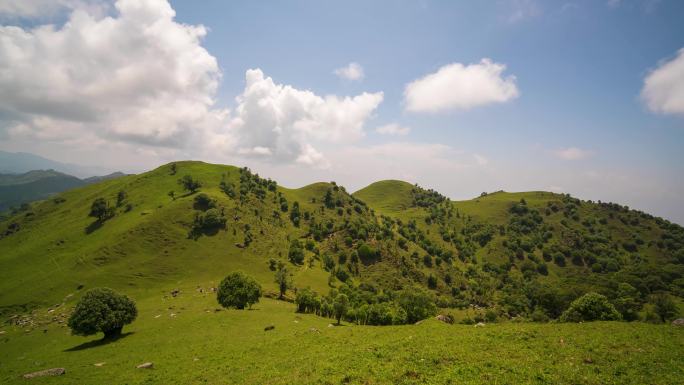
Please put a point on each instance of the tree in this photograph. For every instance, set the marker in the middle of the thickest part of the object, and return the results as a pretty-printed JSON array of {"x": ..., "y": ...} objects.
[
  {"x": 121, "y": 198},
  {"x": 102, "y": 310},
  {"x": 204, "y": 202},
  {"x": 307, "y": 301},
  {"x": 172, "y": 194},
  {"x": 238, "y": 290},
  {"x": 296, "y": 252},
  {"x": 590, "y": 307},
  {"x": 627, "y": 302},
  {"x": 173, "y": 168},
  {"x": 664, "y": 306},
  {"x": 189, "y": 184},
  {"x": 417, "y": 304},
  {"x": 100, "y": 209},
  {"x": 340, "y": 305},
  {"x": 284, "y": 281}
]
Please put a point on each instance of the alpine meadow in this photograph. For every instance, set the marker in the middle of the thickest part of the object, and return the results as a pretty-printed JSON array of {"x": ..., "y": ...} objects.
[{"x": 492, "y": 192}]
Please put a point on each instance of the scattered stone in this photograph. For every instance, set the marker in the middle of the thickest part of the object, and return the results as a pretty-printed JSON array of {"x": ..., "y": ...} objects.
[
  {"x": 331, "y": 325},
  {"x": 561, "y": 341},
  {"x": 588, "y": 360},
  {"x": 479, "y": 324},
  {"x": 296, "y": 321},
  {"x": 678, "y": 322},
  {"x": 157, "y": 316},
  {"x": 172, "y": 315},
  {"x": 195, "y": 359},
  {"x": 419, "y": 322},
  {"x": 99, "y": 364},
  {"x": 146, "y": 365},
  {"x": 269, "y": 327},
  {"x": 46, "y": 372},
  {"x": 445, "y": 318},
  {"x": 175, "y": 292},
  {"x": 314, "y": 330},
  {"x": 2, "y": 332}
]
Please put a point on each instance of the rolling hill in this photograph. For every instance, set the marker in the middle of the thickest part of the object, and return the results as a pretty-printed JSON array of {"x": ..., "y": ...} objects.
[{"x": 501, "y": 257}]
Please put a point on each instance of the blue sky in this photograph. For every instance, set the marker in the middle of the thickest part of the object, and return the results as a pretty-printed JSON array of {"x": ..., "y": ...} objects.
[{"x": 576, "y": 121}]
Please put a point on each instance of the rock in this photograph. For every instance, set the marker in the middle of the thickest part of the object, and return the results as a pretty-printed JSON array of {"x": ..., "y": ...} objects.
[
  {"x": 445, "y": 318},
  {"x": 99, "y": 364},
  {"x": 2, "y": 332},
  {"x": 331, "y": 325},
  {"x": 46, "y": 372},
  {"x": 588, "y": 360},
  {"x": 269, "y": 327},
  {"x": 479, "y": 324},
  {"x": 157, "y": 316},
  {"x": 678, "y": 322},
  {"x": 146, "y": 365},
  {"x": 419, "y": 322},
  {"x": 314, "y": 330}
]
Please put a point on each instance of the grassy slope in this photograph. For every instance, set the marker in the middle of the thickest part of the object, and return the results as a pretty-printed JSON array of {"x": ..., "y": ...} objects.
[
  {"x": 199, "y": 345},
  {"x": 146, "y": 253}
]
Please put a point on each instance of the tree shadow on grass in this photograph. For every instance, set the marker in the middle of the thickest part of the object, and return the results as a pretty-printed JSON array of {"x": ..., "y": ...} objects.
[
  {"x": 96, "y": 343},
  {"x": 94, "y": 226}
]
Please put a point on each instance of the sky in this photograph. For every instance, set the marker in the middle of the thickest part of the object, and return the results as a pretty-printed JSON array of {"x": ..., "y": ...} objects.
[{"x": 578, "y": 97}]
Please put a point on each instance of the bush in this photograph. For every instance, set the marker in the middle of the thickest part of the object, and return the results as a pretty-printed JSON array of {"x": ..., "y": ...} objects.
[
  {"x": 102, "y": 310},
  {"x": 189, "y": 184},
  {"x": 590, "y": 307},
  {"x": 307, "y": 301},
  {"x": 296, "y": 253},
  {"x": 417, "y": 304},
  {"x": 204, "y": 202},
  {"x": 664, "y": 307},
  {"x": 100, "y": 209},
  {"x": 238, "y": 290}
]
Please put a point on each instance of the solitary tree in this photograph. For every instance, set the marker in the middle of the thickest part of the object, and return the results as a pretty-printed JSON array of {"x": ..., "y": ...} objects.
[
  {"x": 189, "y": 184},
  {"x": 102, "y": 310},
  {"x": 100, "y": 209},
  {"x": 417, "y": 304},
  {"x": 340, "y": 305},
  {"x": 282, "y": 278},
  {"x": 238, "y": 290},
  {"x": 664, "y": 306}
]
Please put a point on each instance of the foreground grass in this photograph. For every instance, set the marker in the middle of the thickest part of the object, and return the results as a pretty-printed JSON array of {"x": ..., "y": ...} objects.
[{"x": 190, "y": 342}]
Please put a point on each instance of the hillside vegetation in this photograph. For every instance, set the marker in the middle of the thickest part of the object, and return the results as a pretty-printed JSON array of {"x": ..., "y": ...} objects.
[{"x": 396, "y": 253}]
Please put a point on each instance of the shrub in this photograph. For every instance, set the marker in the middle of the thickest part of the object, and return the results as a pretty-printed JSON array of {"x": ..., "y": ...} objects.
[
  {"x": 238, "y": 290},
  {"x": 189, "y": 184},
  {"x": 100, "y": 209},
  {"x": 590, "y": 307},
  {"x": 296, "y": 253},
  {"x": 210, "y": 220},
  {"x": 307, "y": 301},
  {"x": 204, "y": 202},
  {"x": 102, "y": 310},
  {"x": 664, "y": 306},
  {"x": 417, "y": 304}
]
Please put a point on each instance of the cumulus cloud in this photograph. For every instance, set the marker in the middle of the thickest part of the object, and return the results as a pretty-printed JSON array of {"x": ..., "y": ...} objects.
[
  {"x": 458, "y": 86},
  {"x": 571, "y": 153},
  {"x": 393, "y": 129},
  {"x": 283, "y": 123},
  {"x": 353, "y": 71},
  {"x": 663, "y": 90},
  {"x": 137, "y": 76},
  {"x": 46, "y": 8}
]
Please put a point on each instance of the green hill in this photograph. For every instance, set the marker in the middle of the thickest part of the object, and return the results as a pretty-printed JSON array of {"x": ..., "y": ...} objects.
[{"x": 498, "y": 258}]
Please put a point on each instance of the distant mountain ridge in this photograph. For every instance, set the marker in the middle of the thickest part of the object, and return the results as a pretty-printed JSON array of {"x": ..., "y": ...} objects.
[
  {"x": 22, "y": 162},
  {"x": 16, "y": 189}
]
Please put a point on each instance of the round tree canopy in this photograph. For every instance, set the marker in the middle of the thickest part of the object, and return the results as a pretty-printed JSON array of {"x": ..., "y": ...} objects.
[{"x": 102, "y": 310}]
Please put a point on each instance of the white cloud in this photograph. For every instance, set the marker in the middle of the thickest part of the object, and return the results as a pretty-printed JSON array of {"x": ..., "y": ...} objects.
[
  {"x": 456, "y": 86},
  {"x": 353, "y": 71},
  {"x": 663, "y": 90},
  {"x": 393, "y": 129},
  {"x": 481, "y": 160},
  {"x": 522, "y": 10},
  {"x": 138, "y": 76},
  {"x": 287, "y": 121},
  {"x": 141, "y": 79},
  {"x": 46, "y": 8},
  {"x": 571, "y": 153}
]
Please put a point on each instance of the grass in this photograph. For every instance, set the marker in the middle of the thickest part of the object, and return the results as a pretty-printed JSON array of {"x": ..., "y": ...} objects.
[{"x": 199, "y": 345}]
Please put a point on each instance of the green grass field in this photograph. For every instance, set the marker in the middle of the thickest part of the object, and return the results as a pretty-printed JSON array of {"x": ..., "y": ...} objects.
[{"x": 190, "y": 342}]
